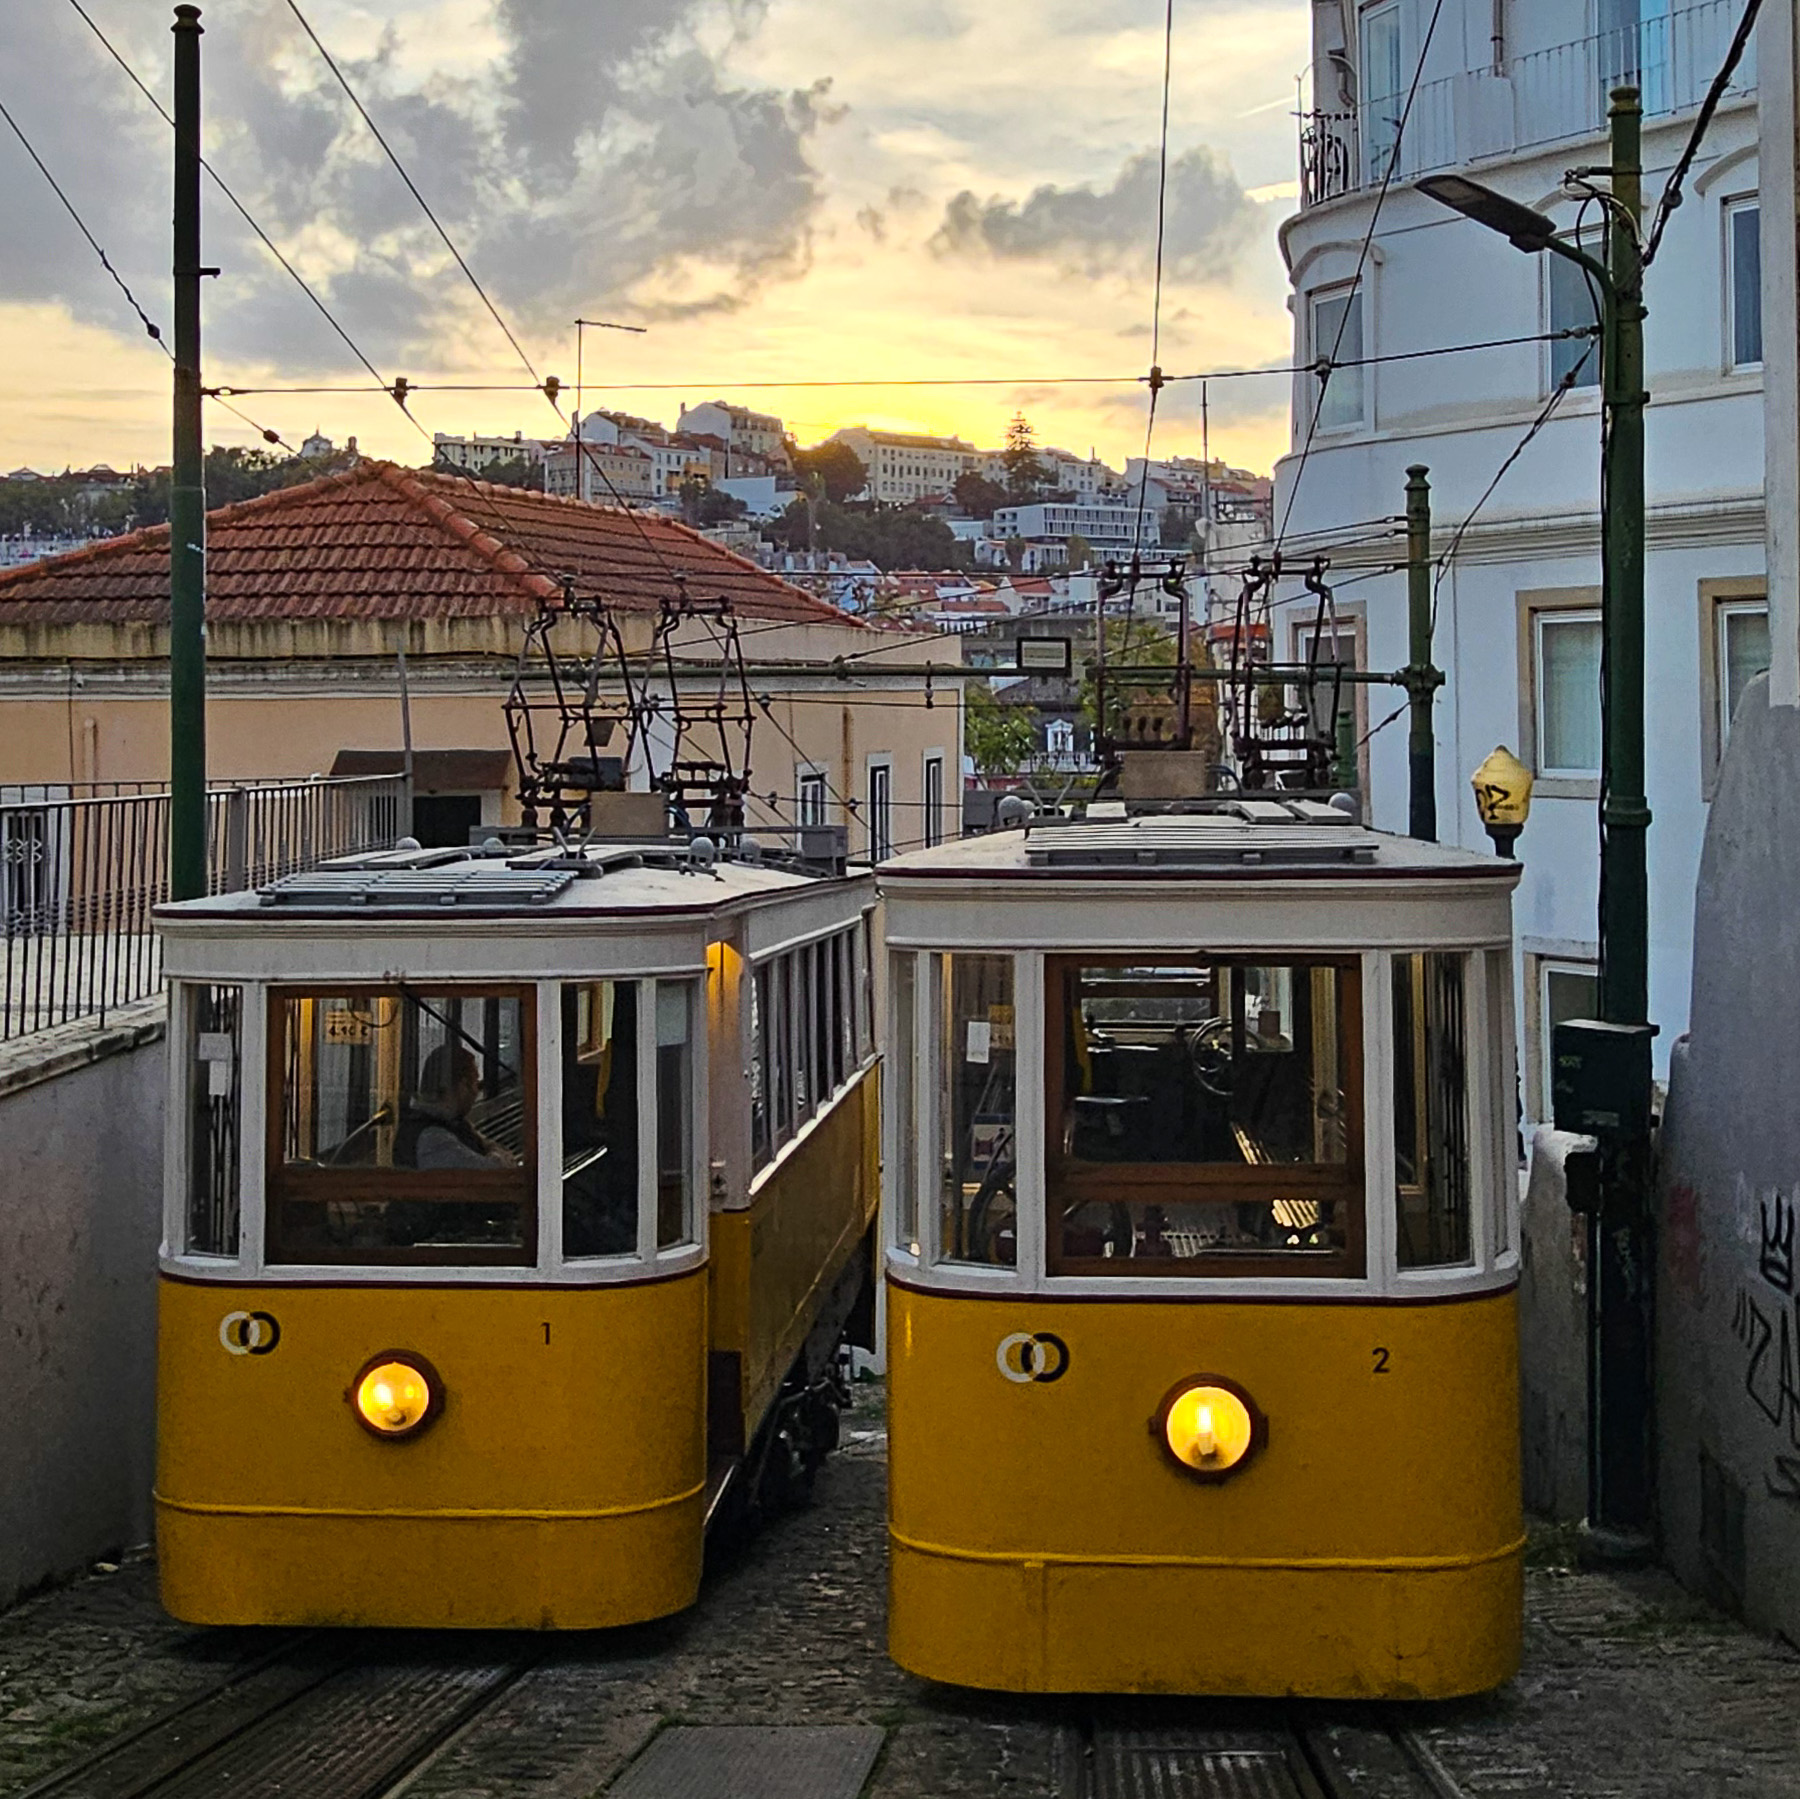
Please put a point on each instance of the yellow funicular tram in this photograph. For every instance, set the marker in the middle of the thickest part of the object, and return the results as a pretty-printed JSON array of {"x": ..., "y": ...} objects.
[
  {"x": 519, "y": 1199},
  {"x": 1201, "y": 1257}
]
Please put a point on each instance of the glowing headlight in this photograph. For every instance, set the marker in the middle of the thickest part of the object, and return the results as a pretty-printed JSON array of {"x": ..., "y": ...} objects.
[
  {"x": 396, "y": 1394},
  {"x": 1210, "y": 1426}
]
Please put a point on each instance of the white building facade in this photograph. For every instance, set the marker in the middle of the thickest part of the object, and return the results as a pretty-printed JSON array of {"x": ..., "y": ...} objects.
[
  {"x": 905, "y": 466},
  {"x": 1514, "y": 94}
]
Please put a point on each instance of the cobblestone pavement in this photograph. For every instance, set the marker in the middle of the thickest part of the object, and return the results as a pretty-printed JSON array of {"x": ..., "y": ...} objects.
[{"x": 1630, "y": 1687}]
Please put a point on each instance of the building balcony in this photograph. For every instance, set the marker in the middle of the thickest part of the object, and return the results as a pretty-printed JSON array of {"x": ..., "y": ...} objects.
[{"x": 1552, "y": 96}]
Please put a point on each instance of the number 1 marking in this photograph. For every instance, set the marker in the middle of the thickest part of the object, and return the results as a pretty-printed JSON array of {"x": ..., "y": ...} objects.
[{"x": 546, "y": 1330}]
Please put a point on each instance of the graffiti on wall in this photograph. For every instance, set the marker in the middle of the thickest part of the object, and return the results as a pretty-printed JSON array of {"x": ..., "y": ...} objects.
[{"x": 1766, "y": 1326}]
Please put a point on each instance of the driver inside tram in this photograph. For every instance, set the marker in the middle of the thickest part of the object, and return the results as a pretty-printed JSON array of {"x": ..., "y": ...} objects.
[{"x": 434, "y": 1130}]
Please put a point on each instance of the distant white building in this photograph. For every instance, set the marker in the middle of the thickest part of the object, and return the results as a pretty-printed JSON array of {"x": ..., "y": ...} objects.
[
  {"x": 1111, "y": 528},
  {"x": 468, "y": 455},
  {"x": 762, "y": 496},
  {"x": 757, "y": 434},
  {"x": 1517, "y": 96},
  {"x": 1086, "y": 477},
  {"x": 904, "y": 467}
]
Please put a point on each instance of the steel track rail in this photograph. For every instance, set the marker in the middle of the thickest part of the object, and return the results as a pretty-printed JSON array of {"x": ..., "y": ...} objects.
[{"x": 341, "y": 1722}]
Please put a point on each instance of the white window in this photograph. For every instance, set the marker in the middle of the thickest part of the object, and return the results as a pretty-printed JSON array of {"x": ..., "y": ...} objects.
[
  {"x": 1573, "y": 306},
  {"x": 1383, "y": 88},
  {"x": 934, "y": 800},
  {"x": 881, "y": 811},
  {"x": 1567, "y": 655},
  {"x": 1565, "y": 990},
  {"x": 1743, "y": 283},
  {"x": 812, "y": 789},
  {"x": 1337, "y": 335},
  {"x": 1743, "y": 653}
]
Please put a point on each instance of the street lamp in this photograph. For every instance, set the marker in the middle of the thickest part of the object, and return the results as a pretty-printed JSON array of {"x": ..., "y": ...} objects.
[
  {"x": 1620, "y": 1475},
  {"x": 1503, "y": 798}
]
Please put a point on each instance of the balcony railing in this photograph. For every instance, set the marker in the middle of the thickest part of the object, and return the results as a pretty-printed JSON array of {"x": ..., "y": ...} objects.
[
  {"x": 1547, "y": 97},
  {"x": 79, "y": 877}
]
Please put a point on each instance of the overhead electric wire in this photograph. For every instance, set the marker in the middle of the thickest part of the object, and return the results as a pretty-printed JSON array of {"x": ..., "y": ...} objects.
[
  {"x": 1362, "y": 259},
  {"x": 1672, "y": 194},
  {"x": 151, "y": 328}
]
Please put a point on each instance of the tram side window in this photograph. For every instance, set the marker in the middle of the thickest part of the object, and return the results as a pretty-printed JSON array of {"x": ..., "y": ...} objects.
[
  {"x": 803, "y": 1037},
  {"x": 600, "y": 1119},
  {"x": 1205, "y": 1116},
  {"x": 674, "y": 1114},
  {"x": 901, "y": 1076},
  {"x": 215, "y": 1022},
  {"x": 402, "y": 1126},
  {"x": 978, "y": 1213},
  {"x": 1431, "y": 1110}
]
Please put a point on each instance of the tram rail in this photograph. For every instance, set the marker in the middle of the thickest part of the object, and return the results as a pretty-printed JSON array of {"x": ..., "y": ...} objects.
[{"x": 313, "y": 1718}]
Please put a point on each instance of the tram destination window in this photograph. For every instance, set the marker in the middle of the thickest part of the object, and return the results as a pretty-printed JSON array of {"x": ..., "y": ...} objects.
[
  {"x": 1204, "y": 1117},
  {"x": 402, "y": 1126},
  {"x": 1431, "y": 1110},
  {"x": 977, "y": 1055},
  {"x": 215, "y": 1025},
  {"x": 600, "y": 1119}
]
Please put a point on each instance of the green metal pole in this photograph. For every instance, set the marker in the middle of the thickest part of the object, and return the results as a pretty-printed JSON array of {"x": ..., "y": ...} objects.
[
  {"x": 187, "y": 495},
  {"x": 1621, "y": 1499},
  {"x": 1625, "y": 816},
  {"x": 1422, "y": 680}
]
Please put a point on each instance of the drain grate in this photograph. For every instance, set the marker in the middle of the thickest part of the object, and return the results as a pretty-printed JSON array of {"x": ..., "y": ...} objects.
[
  {"x": 746, "y": 1761},
  {"x": 1158, "y": 1765}
]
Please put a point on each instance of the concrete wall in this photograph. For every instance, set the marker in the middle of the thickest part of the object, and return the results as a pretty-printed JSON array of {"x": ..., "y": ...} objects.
[
  {"x": 1728, "y": 1295},
  {"x": 81, "y": 1126},
  {"x": 1553, "y": 1337}
]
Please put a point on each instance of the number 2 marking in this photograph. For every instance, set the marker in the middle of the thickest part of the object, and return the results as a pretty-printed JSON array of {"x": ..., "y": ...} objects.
[
  {"x": 1381, "y": 1356},
  {"x": 547, "y": 1330}
]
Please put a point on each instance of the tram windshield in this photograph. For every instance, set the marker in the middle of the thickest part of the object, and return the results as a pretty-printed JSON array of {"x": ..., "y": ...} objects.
[
  {"x": 402, "y": 1126},
  {"x": 1206, "y": 1115}
]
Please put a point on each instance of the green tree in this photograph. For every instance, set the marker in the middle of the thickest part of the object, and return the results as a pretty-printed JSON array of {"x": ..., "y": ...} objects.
[
  {"x": 703, "y": 505},
  {"x": 1025, "y": 473},
  {"x": 1081, "y": 552},
  {"x": 232, "y": 474},
  {"x": 515, "y": 471},
  {"x": 1131, "y": 644},
  {"x": 998, "y": 739},
  {"x": 1015, "y": 553},
  {"x": 1179, "y": 526},
  {"x": 891, "y": 537},
  {"x": 977, "y": 495},
  {"x": 840, "y": 472}
]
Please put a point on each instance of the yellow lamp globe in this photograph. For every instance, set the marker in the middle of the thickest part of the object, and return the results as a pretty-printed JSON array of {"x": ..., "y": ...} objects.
[
  {"x": 1209, "y": 1428},
  {"x": 395, "y": 1395}
]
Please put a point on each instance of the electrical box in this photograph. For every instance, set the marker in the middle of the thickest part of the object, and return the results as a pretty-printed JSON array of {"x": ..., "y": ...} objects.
[{"x": 1600, "y": 1078}]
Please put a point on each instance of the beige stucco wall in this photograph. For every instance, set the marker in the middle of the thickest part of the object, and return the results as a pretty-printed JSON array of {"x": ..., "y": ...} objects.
[{"x": 94, "y": 718}]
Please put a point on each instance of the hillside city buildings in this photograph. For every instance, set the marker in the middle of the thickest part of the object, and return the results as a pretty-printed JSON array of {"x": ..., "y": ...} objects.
[{"x": 1516, "y": 97}]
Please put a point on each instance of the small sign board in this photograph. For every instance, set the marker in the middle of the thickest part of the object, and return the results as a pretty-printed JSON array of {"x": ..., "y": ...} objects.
[{"x": 1044, "y": 655}]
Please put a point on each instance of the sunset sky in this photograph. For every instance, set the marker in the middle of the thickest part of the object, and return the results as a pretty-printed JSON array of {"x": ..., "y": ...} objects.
[{"x": 800, "y": 190}]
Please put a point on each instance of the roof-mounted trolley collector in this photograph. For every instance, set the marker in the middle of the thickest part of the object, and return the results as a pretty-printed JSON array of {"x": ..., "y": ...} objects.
[
  {"x": 1202, "y": 1246},
  {"x": 518, "y": 1202}
]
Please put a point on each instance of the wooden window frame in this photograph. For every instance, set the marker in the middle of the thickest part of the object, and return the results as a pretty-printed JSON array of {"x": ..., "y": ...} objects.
[
  {"x": 1132, "y": 1181},
  {"x": 450, "y": 1186},
  {"x": 1535, "y": 604}
]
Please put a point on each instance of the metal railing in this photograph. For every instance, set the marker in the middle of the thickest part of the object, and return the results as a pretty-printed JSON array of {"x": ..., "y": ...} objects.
[
  {"x": 1550, "y": 96},
  {"x": 79, "y": 879}
]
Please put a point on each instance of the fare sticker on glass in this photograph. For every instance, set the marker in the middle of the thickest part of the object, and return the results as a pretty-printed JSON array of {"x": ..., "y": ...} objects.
[{"x": 981, "y": 1035}]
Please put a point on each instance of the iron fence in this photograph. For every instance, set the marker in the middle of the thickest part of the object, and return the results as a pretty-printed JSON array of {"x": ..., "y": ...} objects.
[
  {"x": 79, "y": 878},
  {"x": 1546, "y": 97}
]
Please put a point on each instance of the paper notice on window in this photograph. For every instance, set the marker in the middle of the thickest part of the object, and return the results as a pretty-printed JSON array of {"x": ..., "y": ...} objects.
[
  {"x": 218, "y": 1080},
  {"x": 1001, "y": 1018},
  {"x": 981, "y": 1036},
  {"x": 213, "y": 1046}
]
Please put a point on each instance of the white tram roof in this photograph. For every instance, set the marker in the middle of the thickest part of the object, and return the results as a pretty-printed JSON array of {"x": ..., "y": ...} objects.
[
  {"x": 1248, "y": 872},
  {"x": 634, "y": 906}
]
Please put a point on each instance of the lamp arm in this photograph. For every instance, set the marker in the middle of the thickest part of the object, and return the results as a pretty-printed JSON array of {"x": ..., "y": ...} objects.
[{"x": 1600, "y": 272}]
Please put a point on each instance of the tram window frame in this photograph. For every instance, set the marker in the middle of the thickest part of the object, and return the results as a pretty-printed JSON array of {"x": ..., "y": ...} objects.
[
  {"x": 287, "y": 1183},
  {"x": 1436, "y": 1119},
  {"x": 1345, "y": 1185},
  {"x": 581, "y": 1208},
  {"x": 213, "y": 1025}
]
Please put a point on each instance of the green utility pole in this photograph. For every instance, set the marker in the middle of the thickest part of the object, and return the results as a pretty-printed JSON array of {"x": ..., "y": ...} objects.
[
  {"x": 187, "y": 495},
  {"x": 1422, "y": 680},
  {"x": 1621, "y": 1473}
]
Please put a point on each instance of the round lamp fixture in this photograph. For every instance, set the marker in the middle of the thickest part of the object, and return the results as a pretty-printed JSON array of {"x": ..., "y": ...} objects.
[
  {"x": 1210, "y": 1427},
  {"x": 1503, "y": 798},
  {"x": 396, "y": 1395}
]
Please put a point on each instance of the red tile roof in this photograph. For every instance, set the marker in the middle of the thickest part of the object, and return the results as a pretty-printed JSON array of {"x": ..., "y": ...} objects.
[{"x": 382, "y": 542}]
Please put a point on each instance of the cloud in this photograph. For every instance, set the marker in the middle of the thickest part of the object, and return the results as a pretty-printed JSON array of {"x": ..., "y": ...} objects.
[
  {"x": 607, "y": 162},
  {"x": 1209, "y": 221}
]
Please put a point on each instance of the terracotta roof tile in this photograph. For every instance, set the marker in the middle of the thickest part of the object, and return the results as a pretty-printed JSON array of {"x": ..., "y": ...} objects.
[{"x": 381, "y": 542}]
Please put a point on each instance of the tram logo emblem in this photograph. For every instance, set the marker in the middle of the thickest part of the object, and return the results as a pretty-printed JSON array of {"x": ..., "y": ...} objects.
[
  {"x": 1033, "y": 1357},
  {"x": 249, "y": 1333}
]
